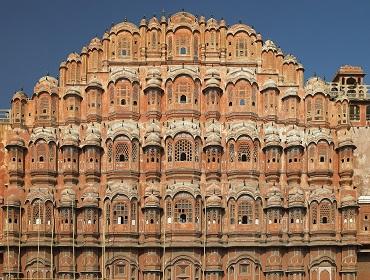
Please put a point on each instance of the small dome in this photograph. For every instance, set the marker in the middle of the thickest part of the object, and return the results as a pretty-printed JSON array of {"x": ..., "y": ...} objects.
[
  {"x": 213, "y": 134},
  {"x": 94, "y": 83},
  {"x": 46, "y": 84},
  {"x": 74, "y": 57},
  {"x": 269, "y": 46},
  {"x": 90, "y": 197},
  {"x": 214, "y": 201},
  {"x": 12, "y": 200},
  {"x": 293, "y": 138},
  {"x": 213, "y": 189},
  {"x": 93, "y": 136},
  {"x": 68, "y": 197},
  {"x": 291, "y": 92},
  {"x": 296, "y": 197},
  {"x": 70, "y": 136},
  {"x": 152, "y": 201},
  {"x": 212, "y": 79},
  {"x": 153, "y": 134},
  {"x": 269, "y": 84},
  {"x": 74, "y": 91},
  {"x": 345, "y": 140},
  {"x": 290, "y": 59},
  {"x": 316, "y": 85},
  {"x": 272, "y": 137},
  {"x": 16, "y": 140},
  {"x": 95, "y": 43},
  {"x": 274, "y": 197},
  {"x": 319, "y": 134},
  {"x": 153, "y": 79},
  {"x": 348, "y": 201},
  {"x": 19, "y": 95}
]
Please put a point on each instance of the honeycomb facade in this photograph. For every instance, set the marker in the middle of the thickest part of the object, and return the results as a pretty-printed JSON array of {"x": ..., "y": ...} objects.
[{"x": 185, "y": 149}]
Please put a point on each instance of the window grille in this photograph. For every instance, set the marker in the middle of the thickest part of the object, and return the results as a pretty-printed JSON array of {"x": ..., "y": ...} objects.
[
  {"x": 183, "y": 150},
  {"x": 122, "y": 152},
  {"x": 120, "y": 213},
  {"x": 244, "y": 152}
]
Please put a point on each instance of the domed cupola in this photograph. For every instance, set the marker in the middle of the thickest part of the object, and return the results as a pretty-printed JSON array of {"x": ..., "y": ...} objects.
[
  {"x": 46, "y": 101},
  {"x": 294, "y": 155},
  {"x": 214, "y": 210},
  {"x": 152, "y": 147},
  {"x": 94, "y": 92},
  {"x": 270, "y": 92},
  {"x": 152, "y": 211},
  {"x": 70, "y": 153},
  {"x": 291, "y": 101},
  {"x": 92, "y": 152},
  {"x": 72, "y": 101},
  {"x": 273, "y": 151},
  {"x": 16, "y": 151},
  {"x": 297, "y": 210},
  {"x": 345, "y": 150},
  {"x": 290, "y": 66},
  {"x": 320, "y": 151},
  {"x": 19, "y": 106},
  {"x": 316, "y": 101},
  {"x": 213, "y": 150},
  {"x": 153, "y": 91},
  {"x": 89, "y": 217},
  {"x": 274, "y": 211},
  {"x": 212, "y": 91},
  {"x": 269, "y": 61}
]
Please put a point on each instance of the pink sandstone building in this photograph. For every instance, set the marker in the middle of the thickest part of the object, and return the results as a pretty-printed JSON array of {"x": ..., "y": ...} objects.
[{"x": 187, "y": 149}]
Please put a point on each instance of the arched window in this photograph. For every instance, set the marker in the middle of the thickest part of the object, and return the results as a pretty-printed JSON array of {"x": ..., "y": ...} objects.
[
  {"x": 244, "y": 152},
  {"x": 154, "y": 39},
  {"x": 44, "y": 110},
  {"x": 368, "y": 112},
  {"x": 183, "y": 208},
  {"x": 354, "y": 112},
  {"x": 38, "y": 212},
  {"x": 231, "y": 152},
  {"x": 182, "y": 44},
  {"x": 184, "y": 87},
  {"x": 326, "y": 212},
  {"x": 183, "y": 150},
  {"x": 241, "y": 47},
  {"x": 319, "y": 108},
  {"x": 123, "y": 92},
  {"x": 245, "y": 211},
  {"x": 122, "y": 154},
  {"x": 120, "y": 213},
  {"x": 124, "y": 47},
  {"x": 314, "y": 213}
]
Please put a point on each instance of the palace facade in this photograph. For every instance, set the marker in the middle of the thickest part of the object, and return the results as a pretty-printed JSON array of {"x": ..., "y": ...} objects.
[{"x": 186, "y": 149}]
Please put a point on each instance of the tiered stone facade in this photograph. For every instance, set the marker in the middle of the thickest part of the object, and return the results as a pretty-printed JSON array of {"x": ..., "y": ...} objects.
[{"x": 184, "y": 149}]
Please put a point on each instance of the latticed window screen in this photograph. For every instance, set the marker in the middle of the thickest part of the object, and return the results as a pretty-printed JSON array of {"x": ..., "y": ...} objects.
[
  {"x": 182, "y": 93},
  {"x": 109, "y": 151},
  {"x": 197, "y": 211},
  {"x": 244, "y": 152},
  {"x": 37, "y": 212},
  {"x": 242, "y": 92},
  {"x": 232, "y": 213},
  {"x": 318, "y": 108},
  {"x": 169, "y": 151},
  {"x": 195, "y": 43},
  {"x": 135, "y": 151},
  {"x": 169, "y": 210},
  {"x": 183, "y": 208},
  {"x": 154, "y": 39},
  {"x": 182, "y": 45},
  {"x": 44, "y": 106},
  {"x": 135, "y": 94},
  {"x": 232, "y": 152},
  {"x": 48, "y": 213},
  {"x": 169, "y": 92},
  {"x": 314, "y": 213},
  {"x": 245, "y": 212},
  {"x": 325, "y": 212},
  {"x": 170, "y": 46},
  {"x": 197, "y": 150},
  {"x": 122, "y": 152},
  {"x": 66, "y": 216},
  {"x": 107, "y": 214},
  {"x": 241, "y": 47},
  {"x": 309, "y": 108},
  {"x": 123, "y": 96},
  {"x": 255, "y": 152},
  {"x": 133, "y": 211},
  {"x": 151, "y": 216},
  {"x": 120, "y": 213},
  {"x": 89, "y": 217},
  {"x": 124, "y": 47},
  {"x": 183, "y": 150}
]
